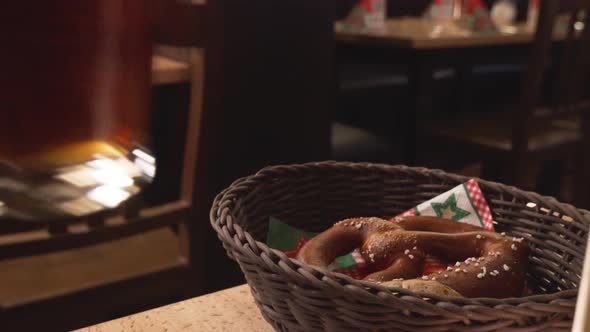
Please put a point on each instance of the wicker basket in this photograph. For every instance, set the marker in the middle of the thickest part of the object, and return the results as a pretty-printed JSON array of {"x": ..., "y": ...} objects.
[{"x": 293, "y": 296}]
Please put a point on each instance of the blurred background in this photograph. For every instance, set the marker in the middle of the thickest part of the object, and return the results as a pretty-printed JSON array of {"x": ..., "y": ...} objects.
[{"x": 121, "y": 122}]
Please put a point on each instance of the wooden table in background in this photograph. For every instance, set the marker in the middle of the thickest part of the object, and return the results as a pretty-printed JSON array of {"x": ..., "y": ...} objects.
[
  {"x": 422, "y": 46},
  {"x": 229, "y": 310},
  {"x": 419, "y": 33}
]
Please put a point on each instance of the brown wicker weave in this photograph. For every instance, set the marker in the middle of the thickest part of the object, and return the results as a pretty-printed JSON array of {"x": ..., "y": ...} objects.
[{"x": 293, "y": 296}]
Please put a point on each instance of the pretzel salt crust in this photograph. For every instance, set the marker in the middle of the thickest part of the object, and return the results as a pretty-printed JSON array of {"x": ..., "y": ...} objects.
[{"x": 487, "y": 264}]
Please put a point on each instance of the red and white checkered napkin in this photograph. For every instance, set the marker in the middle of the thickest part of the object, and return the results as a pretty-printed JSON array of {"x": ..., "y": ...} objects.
[{"x": 464, "y": 203}]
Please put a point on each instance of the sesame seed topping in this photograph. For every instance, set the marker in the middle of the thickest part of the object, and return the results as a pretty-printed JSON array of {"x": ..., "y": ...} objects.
[
  {"x": 411, "y": 256},
  {"x": 415, "y": 248},
  {"x": 433, "y": 278},
  {"x": 446, "y": 275},
  {"x": 503, "y": 233},
  {"x": 457, "y": 264},
  {"x": 478, "y": 236},
  {"x": 358, "y": 225},
  {"x": 517, "y": 239},
  {"x": 496, "y": 271},
  {"x": 407, "y": 251},
  {"x": 457, "y": 270},
  {"x": 513, "y": 246},
  {"x": 424, "y": 278},
  {"x": 449, "y": 268},
  {"x": 464, "y": 271},
  {"x": 480, "y": 275},
  {"x": 372, "y": 257},
  {"x": 506, "y": 267}
]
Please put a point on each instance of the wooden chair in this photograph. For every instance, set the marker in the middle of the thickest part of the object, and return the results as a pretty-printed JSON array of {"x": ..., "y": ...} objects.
[
  {"x": 78, "y": 272},
  {"x": 540, "y": 129}
]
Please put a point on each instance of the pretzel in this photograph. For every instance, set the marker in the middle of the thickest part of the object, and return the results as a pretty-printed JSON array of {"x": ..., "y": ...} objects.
[{"x": 487, "y": 264}]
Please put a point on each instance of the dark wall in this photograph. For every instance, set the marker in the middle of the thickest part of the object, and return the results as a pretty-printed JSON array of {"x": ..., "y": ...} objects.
[
  {"x": 278, "y": 79},
  {"x": 269, "y": 98}
]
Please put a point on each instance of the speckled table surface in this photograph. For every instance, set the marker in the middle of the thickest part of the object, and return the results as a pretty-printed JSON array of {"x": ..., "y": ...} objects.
[{"x": 232, "y": 309}]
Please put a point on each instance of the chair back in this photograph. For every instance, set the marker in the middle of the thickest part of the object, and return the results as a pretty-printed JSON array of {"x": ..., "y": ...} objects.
[{"x": 558, "y": 69}]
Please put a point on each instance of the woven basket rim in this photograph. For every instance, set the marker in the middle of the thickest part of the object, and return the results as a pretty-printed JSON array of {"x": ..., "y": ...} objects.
[{"x": 327, "y": 275}]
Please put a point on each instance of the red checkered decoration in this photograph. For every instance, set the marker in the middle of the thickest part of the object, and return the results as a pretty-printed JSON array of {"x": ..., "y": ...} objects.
[
  {"x": 293, "y": 253},
  {"x": 480, "y": 204},
  {"x": 359, "y": 271}
]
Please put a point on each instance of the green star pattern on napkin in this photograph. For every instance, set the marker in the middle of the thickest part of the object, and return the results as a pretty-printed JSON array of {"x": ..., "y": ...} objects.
[{"x": 449, "y": 209}]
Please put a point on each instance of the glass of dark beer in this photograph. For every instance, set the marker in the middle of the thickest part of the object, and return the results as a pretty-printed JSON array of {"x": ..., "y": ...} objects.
[{"x": 74, "y": 107}]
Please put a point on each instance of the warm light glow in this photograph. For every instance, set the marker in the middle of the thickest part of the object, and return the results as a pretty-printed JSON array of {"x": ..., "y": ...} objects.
[
  {"x": 145, "y": 156},
  {"x": 579, "y": 26},
  {"x": 128, "y": 167},
  {"x": 110, "y": 173},
  {"x": 102, "y": 163},
  {"x": 80, "y": 177},
  {"x": 146, "y": 167},
  {"x": 108, "y": 196},
  {"x": 115, "y": 179}
]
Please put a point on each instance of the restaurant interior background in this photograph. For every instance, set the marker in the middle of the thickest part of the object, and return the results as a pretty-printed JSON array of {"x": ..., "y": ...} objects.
[{"x": 270, "y": 82}]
